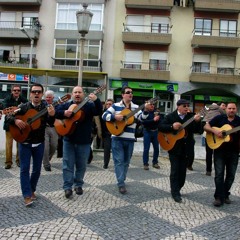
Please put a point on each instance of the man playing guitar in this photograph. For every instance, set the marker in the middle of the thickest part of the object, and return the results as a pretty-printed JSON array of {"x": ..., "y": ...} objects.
[{"x": 172, "y": 123}]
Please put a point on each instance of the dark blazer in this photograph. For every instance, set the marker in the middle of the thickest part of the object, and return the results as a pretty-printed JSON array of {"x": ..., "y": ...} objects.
[{"x": 181, "y": 144}]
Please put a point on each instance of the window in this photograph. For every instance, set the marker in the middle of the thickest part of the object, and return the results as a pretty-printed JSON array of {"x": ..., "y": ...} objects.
[
  {"x": 158, "y": 61},
  {"x": 133, "y": 59},
  {"x": 160, "y": 25},
  {"x": 201, "y": 63},
  {"x": 66, "y": 16},
  {"x": 135, "y": 23},
  {"x": 7, "y": 19},
  {"x": 25, "y": 55},
  {"x": 225, "y": 65},
  {"x": 228, "y": 28},
  {"x": 29, "y": 19},
  {"x": 67, "y": 52},
  {"x": 203, "y": 27}
]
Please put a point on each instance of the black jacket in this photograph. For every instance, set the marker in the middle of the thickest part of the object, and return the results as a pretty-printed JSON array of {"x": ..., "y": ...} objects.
[{"x": 193, "y": 127}]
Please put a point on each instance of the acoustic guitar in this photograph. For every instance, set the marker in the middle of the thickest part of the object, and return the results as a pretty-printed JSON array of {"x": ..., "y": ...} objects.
[
  {"x": 10, "y": 110},
  {"x": 32, "y": 120},
  {"x": 66, "y": 126},
  {"x": 167, "y": 140},
  {"x": 117, "y": 127},
  {"x": 215, "y": 142}
]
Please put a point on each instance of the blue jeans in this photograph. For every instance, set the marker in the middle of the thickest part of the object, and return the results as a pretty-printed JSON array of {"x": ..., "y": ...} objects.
[
  {"x": 148, "y": 138},
  {"x": 121, "y": 152},
  {"x": 74, "y": 155},
  {"x": 29, "y": 183},
  {"x": 229, "y": 160}
]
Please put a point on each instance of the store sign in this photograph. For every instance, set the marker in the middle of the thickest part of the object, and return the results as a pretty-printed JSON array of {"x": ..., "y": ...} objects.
[
  {"x": 13, "y": 77},
  {"x": 170, "y": 87},
  {"x": 215, "y": 98}
]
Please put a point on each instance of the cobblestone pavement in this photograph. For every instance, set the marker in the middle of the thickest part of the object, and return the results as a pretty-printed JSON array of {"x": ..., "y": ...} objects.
[{"x": 147, "y": 211}]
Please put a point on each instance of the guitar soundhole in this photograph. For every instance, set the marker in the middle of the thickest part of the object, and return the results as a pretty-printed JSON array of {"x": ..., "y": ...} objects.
[{"x": 224, "y": 134}]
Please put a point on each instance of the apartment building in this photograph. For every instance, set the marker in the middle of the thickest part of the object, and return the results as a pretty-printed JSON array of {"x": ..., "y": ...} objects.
[
  {"x": 176, "y": 49},
  {"x": 42, "y": 35},
  {"x": 165, "y": 48}
]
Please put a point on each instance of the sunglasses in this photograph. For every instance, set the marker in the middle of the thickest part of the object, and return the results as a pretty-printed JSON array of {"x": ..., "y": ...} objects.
[
  {"x": 16, "y": 90},
  {"x": 36, "y": 91},
  {"x": 185, "y": 106},
  {"x": 129, "y": 92}
]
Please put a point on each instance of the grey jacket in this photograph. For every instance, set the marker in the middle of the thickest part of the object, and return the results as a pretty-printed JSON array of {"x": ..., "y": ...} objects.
[{"x": 213, "y": 110}]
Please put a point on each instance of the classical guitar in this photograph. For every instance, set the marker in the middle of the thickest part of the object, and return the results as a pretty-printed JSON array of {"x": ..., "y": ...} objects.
[
  {"x": 117, "y": 127},
  {"x": 32, "y": 120},
  {"x": 215, "y": 142},
  {"x": 10, "y": 110},
  {"x": 66, "y": 126},
  {"x": 168, "y": 140}
]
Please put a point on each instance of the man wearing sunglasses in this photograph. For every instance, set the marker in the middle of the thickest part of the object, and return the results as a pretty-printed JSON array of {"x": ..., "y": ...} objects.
[
  {"x": 33, "y": 146},
  {"x": 178, "y": 155},
  {"x": 12, "y": 100},
  {"x": 122, "y": 145}
]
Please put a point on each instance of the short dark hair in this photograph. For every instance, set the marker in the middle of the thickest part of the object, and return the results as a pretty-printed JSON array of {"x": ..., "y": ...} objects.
[
  {"x": 15, "y": 85},
  {"x": 36, "y": 85},
  {"x": 124, "y": 88}
]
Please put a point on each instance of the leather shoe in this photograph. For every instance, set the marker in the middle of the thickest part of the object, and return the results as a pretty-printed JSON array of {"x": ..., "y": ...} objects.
[
  {"x": 177, "y": 199},
  {"x": 146, "y": 167},
  {"x": 78, "y": 191},
  {"x": 217, "y": 202},
  {"x": 155, "y": 165},
  {"x": 227, "y": 200},
  {"x": 208, "y": 173},
  {"x": 190, "y": 168},
  {"x": 68, "y": 193},
  {"x": 28, "y": 201},
  {"x": 48, "y": 169},
  {"x": 18, "y": 164},
  {"x": 122, "y": 190},
  {"x": 8, "y": 166}
]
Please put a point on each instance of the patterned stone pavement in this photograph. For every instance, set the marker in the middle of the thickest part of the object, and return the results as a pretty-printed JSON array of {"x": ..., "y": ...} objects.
[{"x": 147, "y": 211}]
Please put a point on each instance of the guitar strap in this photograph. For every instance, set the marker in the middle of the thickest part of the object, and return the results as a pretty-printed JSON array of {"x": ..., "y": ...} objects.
[{"x": 126, "y": 106}]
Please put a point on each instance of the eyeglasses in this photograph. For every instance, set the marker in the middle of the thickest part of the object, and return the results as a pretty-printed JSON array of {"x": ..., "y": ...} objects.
[
  {"x": 16, "y": 90},
  {"x": 185, "y": 106},
  {"x": 36, "y": 91},
  {"x": 129, "y": 92}
]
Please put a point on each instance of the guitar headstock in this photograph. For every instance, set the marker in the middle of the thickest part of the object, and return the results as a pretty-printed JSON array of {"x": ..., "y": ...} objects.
[
  {"x": 10, "y": 110},
  {"x": 64, "y": 98},
  {"x": 153, "y": 100},
  {"x": 100, "y": 89}
]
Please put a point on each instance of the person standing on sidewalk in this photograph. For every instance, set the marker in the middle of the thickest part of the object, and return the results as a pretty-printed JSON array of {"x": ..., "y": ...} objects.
[
  {"x": 33, "y": 146},
  {"x": 150, "y": 119},
  {"x": 213, "y": 110},
  {"x": 51, "y": 136},
  {"x": 226, "y": 155},
  {"x": 123, "y": 144},
  {"x": 178, "y": 154},
  {"x": 14, "y": 99},
  {"x": 106, "y": 136},
  {"x": 77, "y": 144}
]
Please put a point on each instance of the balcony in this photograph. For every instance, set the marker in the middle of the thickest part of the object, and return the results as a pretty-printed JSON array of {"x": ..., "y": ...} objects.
[
  {"x": 217, "y": 5},
  {"x": 149, "y": 4},
  {"x": 17, "y": 62},
  {"x": 217, "y": 75},
  {"x": 145, "y": 71},
  {"x": 13, "y": 30},
  {"x": 147, "y": 34},
  {"x": 215, "y": 38},
  {"x": 18, "y": 2}
]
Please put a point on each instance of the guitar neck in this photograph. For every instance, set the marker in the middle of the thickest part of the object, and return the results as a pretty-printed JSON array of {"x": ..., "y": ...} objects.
[
  {"x": 186, "y": 123},
  {"x": 81, "y": 105},
  {"x": 236, "y": 129},
  {"x": 132, "y": 113}
]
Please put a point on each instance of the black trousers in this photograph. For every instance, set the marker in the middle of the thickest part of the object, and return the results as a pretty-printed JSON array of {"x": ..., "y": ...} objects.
[
  {"x": 177, "y": 173},
  {"x": 209, "y": 157}
]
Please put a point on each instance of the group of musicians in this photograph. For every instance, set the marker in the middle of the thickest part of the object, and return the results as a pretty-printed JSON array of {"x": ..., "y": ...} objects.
[{"x": 72, "y": 120}]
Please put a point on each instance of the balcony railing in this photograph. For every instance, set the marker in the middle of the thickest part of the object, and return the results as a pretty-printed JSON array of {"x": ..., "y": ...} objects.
[
  {"x": 216, "y": 32},
  {"x": 153, "y": 28},
  {"x": 18, "y": 62},
  {"x": 216, "y": 70},
  {"x": 146, "y": 66}
]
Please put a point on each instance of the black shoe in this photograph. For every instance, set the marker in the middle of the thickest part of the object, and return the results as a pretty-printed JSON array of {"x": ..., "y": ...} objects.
[
  {"x": 18, "y": 164},
  {"x": 190, "y": 168},
  {"x": 68, "y": 193},
  {"x": 208, "y": 173},
  {"x": 177, "y": 199},
  {"x": 105, "y": 166},
  {"x": 78, "y": 191},
  {"x": 8, "y": 166},
  {"x": 217, "y": 202},
  {"x": 122, "y": 190},
  {"x": 48, "y": 169},
  {"x": 227, "y": 200}
]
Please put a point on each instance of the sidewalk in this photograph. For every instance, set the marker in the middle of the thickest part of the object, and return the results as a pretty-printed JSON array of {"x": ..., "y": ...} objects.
[{"x": 147, "y": 211}]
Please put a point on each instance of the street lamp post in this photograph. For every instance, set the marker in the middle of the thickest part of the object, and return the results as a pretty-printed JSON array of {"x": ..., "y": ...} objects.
[
  {"x": 30, "y": 60},
  {"x": 84, "y": 18}
]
